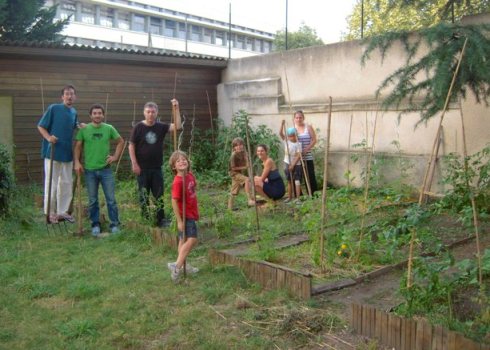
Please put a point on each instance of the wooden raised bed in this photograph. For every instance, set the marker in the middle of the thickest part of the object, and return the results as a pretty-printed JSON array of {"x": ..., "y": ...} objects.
[
  {"x": 407, "y": 334},
  {"x": 268, "y": 275}
]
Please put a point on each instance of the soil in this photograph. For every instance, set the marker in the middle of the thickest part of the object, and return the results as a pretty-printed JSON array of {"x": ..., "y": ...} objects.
[{"x": 382, "y": 293}]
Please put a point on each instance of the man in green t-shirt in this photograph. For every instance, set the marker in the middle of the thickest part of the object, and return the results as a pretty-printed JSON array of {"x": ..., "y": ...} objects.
[{"x": 95, "y": 139}]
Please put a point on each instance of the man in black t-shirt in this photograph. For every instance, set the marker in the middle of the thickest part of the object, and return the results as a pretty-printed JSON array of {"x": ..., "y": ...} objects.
[{"x": 146, "y": 153}]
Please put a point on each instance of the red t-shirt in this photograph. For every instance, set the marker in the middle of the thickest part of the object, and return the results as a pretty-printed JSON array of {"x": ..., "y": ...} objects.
[{"x": 191, "y": 209}]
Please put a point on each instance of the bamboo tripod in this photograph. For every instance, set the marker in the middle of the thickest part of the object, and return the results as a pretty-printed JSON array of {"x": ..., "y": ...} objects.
[{"x": 427, "y": 179}]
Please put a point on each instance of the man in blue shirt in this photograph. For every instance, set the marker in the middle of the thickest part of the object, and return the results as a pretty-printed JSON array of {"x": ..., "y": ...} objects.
[{"x": 56, "y": 127}]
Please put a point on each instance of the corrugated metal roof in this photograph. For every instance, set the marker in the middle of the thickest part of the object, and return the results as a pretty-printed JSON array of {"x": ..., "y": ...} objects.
[{"x": 116, "y": 52}]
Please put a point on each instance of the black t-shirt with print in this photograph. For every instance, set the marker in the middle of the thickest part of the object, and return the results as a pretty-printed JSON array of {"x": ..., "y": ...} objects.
[{"x": 148, "y": 144}]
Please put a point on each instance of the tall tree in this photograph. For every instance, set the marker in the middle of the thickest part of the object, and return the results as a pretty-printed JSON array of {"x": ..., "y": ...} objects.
[
  {"x": 381, "y": 16},
  {"x": 424, "y": 81},
  {"x": 304, "y": 37},
  {"x": 29, "y": 20}
]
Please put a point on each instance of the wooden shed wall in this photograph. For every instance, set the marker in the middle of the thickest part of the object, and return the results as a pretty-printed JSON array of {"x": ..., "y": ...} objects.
[{"x": 123, "y": 85}]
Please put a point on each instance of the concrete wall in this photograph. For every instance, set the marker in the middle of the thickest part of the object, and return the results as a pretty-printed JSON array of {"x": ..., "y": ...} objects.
[{"x": 269, "y": 87}]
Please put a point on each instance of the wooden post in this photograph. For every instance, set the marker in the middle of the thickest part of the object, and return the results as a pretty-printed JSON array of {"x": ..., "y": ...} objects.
[
  {"x": 251, "y": 177},
  {"x": 348, "y": 151},
  {"x": 174, "y": 116},
  {"x": 211, "y": 119},
  {"x": 473, "y": 204},
  {"x": 366, "y": 187},
  {"x": 324, "y": 189},
  {"x": 79, "y": 205},
  {"x": 286, "y": 141}
]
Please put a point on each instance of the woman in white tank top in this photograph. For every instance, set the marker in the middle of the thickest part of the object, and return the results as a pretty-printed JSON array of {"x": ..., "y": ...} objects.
[{"x": 307, "y": 137}]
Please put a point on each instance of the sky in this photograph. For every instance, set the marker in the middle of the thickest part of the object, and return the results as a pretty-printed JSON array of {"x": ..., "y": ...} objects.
[{"x": 327, "y": 17}]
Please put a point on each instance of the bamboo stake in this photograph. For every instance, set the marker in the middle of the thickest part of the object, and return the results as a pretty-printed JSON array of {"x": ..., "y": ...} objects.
[
  {"x": 348, "y": 151},
  {"x": 134, "y": 114},
  {"x": 79, "y": 205},
  {"x": 473, "y": 204},
  {"x": 324, "y": 189},
  {"x": 42, "y": 92},
  {"x": 50, "y": 185},
  {"x": 446, "y": 103},
  {"x": 106, "y": 107},
  {"x": 191, "y": 141},
  {"x": 305, "y": 171},
  {"x": 174, "y": 112},
  {"x": 410, "y": 257},
  {"x": 211, "y": 118},
  {"x": 293, "y": 189},
  {"x": 184, "y": 237},
  {"x": 120, "y": 157},
  {"x": 251, "y": 177},
  {"x": 366, "y": 187}
]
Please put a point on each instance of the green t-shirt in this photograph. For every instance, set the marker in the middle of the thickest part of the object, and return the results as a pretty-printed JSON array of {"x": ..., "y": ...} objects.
[{"x": 96, "y": 144}]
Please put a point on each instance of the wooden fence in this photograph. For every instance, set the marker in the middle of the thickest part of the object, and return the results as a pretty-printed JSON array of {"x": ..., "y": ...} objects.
[
  {"x": 405, "y": 334},
  {"x": 266, "y": 274}
]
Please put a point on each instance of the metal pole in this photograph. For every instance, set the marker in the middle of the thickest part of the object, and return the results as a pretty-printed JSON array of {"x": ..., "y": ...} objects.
[
  {"x": 362, "y": 19},
  {"x": 286, "y": 38},
  {"x": 229, "y": 32}
]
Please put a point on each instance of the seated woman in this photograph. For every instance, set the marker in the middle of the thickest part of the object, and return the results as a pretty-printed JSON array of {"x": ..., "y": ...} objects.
[{"x": 269, "y": 184}]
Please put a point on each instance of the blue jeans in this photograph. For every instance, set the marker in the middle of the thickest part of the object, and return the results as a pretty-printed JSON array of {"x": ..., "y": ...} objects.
[{"x": 104, "y": 177}]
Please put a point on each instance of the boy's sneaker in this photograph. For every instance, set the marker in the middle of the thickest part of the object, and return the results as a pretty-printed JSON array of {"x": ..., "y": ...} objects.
[
  {"x": 96, "y": 231},
  {"x": 171, "y": 266},
  {"x": 66, "y": 217},
  {"x": 188, "y": 267},
  {"x": 191, "y": 269},
  {"x": 175, "y": 274},
  {"x": 115, "y": 229}
]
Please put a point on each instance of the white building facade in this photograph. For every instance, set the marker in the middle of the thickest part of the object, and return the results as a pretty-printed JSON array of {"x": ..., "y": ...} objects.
[{"x": 124, "y": 24}]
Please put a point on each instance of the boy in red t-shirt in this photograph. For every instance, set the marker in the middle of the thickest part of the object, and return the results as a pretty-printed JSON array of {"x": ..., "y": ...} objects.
[{"x": 180, "y": 166}]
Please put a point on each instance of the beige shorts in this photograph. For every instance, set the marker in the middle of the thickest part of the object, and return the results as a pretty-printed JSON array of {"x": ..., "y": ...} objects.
[{"x": 237, "y": 182}]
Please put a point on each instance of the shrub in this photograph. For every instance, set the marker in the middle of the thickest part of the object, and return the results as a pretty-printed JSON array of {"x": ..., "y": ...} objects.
[{"x": 6, "y": 179}]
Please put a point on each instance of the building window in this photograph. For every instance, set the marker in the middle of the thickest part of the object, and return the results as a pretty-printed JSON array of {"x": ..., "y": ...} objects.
[
  {"x": 267, "y": 46},
  {"x": 88, "y": 14},
  {"x": 249, "y": 43},
  {"x": 67, "y": 8},
  {"x": 123, "y": 20},
  {"x": 258, "y": 45},
  {"x": 155, "y": 25},
  {"x": 196, "y": 33},
  {"x": 86, "y": 42},
  {"x": 240, "y": 42},
  {"x": 220, "y": 38},
  {"x": 170, "y": 28},
  {"x": 138, "y": 23},
  {"x": 208, "y": 33},
  {"x": 106, "y": 17},
  {"x": 182, "y": 30}
]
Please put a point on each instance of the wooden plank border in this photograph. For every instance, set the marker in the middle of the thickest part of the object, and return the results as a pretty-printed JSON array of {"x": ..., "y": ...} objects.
[
  {"x": 266, "y": 274},
  {"x": 400, "y": 333}
]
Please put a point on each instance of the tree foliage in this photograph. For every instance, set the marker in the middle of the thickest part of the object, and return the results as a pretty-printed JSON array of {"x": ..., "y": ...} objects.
[
  {"x": 381, "y": 16},
  {"x": 304, "y": 37},
  {"x": 424, "y": 82},
  {"x": 29, "y": 20}
]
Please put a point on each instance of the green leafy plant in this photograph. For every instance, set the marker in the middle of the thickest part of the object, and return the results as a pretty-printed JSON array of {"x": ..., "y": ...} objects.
[
  {"x": 7, "y": 183},
  {"x": 467, "y": 177}
]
